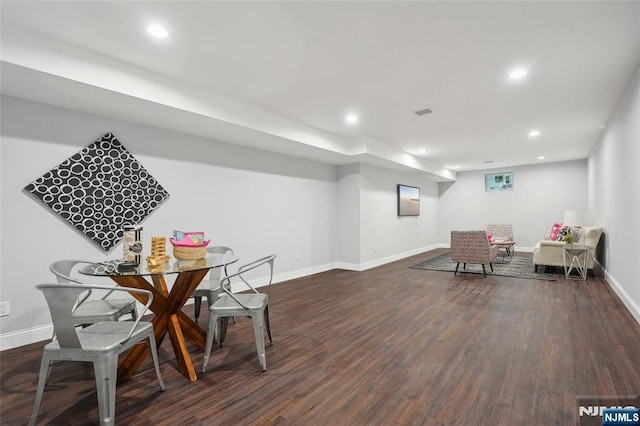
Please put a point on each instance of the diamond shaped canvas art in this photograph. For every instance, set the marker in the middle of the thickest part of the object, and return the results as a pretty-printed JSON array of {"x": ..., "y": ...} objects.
[{"x": 100, "y": 190}]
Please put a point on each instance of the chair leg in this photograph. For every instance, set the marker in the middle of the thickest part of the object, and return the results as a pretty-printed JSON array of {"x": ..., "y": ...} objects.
[
  {"x": 211, "y": 334},
  {"x": 267, "y": 323},
  {"x": 45, "y": 366},
  {"x": 49, "y": 372},
  {"x": 106, "y": 372},
  {"x": 484, "y": 271},
  {"x": 535, "y": 268},
  {"x": 228, "y": 287},
  {"x": 154, "y": 355},
  {"x": 197, "y": 302},
  {"x": 134, "y": 313},
  {"x": 257, "y": 318},
  {"x": 224, "y": 324},
  {"x": 491, "y": 266},
  {"x": 211, "y": 297},
  {"x": 456, "y": 271}
]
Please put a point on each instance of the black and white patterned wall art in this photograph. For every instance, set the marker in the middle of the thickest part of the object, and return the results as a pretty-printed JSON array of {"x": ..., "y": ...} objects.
[{"x": 100, "y": 190}]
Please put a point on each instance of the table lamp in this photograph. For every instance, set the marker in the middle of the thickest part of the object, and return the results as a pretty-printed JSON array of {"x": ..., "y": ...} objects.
[{"x": 577, "y": 219}]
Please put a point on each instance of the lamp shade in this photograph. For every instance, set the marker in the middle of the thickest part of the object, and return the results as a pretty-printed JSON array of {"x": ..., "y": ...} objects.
[{"x": 578, "y": 218}]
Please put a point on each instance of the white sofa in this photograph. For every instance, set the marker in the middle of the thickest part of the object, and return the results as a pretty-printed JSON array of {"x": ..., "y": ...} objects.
[{"x": 549, "y": 253}]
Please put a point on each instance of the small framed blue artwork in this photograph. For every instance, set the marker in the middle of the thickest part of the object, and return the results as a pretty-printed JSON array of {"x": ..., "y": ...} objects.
[
  {"x": 99, "y": 190},
  {"x": 408, "y": 200},
  {"x": 498, "y": 182}
]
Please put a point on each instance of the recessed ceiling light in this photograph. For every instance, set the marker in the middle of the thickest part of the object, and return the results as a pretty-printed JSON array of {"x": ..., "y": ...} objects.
[
  {"x": 602, "y": 126},
  {"x": 423, "y": 151},
  {"x": 534, "y": 133},
  {"x": 453, "y": 167},
  {"x": 352, "y": 118},
  {"x": 158, "y": 31},
  {"x": 541, "y": 157},
  {"x": 517, "y": 73}
]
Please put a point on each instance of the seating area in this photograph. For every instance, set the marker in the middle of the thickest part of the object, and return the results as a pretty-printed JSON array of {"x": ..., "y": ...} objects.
[
  {"x": 548, "y": 252},
  {"x": 99, "y": 336},
  {"x": 482, "y": 247}
]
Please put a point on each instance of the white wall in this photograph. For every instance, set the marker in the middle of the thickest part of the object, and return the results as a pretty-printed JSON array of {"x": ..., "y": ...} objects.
[
  {"x": 614, "y": 195},
  {"x": 384, "y": 235},
  {"x": 540, "y": 195},
  {"x": 347, "y": 231},
  {"x": 254, "y": 201}
]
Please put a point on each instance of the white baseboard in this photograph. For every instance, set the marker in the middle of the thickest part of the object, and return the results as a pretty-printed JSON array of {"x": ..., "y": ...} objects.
[
  {"x": 395, "y": 257},
  {"x": 383, "y": 260},
  {"x": 632, "y": 306},
  {"x": 299, "y": 273},
  {"x": 25, "y": 337}
]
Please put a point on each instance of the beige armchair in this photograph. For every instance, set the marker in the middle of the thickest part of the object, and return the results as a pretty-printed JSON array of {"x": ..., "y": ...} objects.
[
  {"x": 549, "y": 253},
  {"x": 472, "y": 247},
  {"x": 500, "y": 232}
]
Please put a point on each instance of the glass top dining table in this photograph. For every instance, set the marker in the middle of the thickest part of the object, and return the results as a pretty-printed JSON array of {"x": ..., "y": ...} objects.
[
  {"x": 119, "y": 267},
  {"x": 166, "y": 305}
]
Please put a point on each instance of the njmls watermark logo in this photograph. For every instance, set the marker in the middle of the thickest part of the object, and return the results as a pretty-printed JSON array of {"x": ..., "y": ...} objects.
[{"x": 609, "y": 410}]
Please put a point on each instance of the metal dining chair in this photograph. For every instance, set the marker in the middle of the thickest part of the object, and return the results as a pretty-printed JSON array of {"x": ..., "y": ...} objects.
[
  {"x": 93, "y": 310},
  {"x": 210, "y": 288},
  {"x": 252, "y": 304},
  {"x": 100, "y": 343}
]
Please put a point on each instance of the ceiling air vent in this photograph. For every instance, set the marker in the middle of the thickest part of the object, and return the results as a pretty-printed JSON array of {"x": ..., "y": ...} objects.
[{"x": 422, "y": 112}]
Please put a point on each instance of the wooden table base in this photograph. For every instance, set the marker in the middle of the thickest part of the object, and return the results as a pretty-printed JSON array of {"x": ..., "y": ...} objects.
[{"x": 167, "y": 305}]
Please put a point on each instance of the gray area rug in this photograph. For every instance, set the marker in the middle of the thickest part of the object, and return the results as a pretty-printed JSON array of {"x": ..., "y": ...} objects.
[{"x": 520, "y": 267}]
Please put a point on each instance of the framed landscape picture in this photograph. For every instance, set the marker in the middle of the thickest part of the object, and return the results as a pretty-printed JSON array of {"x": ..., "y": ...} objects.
[
  {"x": 498, "y": 182},
  {"x": 408, "y": 200}
]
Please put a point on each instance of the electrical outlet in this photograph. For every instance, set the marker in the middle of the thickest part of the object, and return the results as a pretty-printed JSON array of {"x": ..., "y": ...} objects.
[
  {"x": 297, "y": 256},
  {"x": 4, "y": 309},
  {"x": 375, "y": 249}
]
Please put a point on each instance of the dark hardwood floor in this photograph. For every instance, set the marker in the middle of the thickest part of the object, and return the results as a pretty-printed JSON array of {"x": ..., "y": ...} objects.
[{"x": 391, "y": 345}]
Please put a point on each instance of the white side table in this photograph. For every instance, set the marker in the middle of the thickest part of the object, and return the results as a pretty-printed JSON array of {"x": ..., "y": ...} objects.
[{"x": 575, "y": 259}]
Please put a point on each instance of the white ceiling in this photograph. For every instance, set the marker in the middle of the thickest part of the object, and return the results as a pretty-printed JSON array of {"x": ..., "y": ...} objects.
[{"x": 282, "y": 76}]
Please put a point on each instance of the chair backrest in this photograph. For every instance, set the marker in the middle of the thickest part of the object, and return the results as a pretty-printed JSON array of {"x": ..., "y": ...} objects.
[
  {"x": 216, "y": 273},
  {"x": 470, "y": 247},
  {"x": 61, "y": 299},
  {"x": 225, "y": 283},
  {"x": 62, "y": 303},
  {"x": 62, "y": 270},
  {"x": 501, "y": 231}
]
